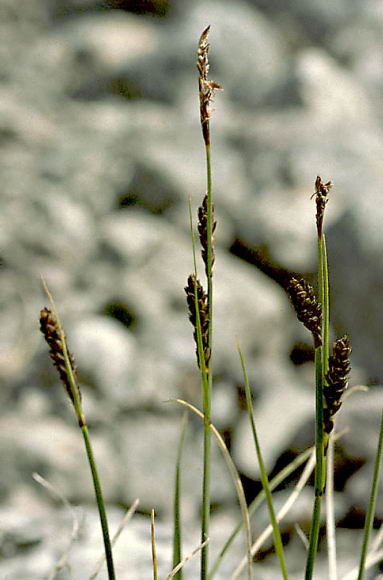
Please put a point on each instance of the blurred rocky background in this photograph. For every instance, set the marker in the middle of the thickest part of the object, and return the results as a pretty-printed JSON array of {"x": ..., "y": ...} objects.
[{"x": 100, "y": 150}]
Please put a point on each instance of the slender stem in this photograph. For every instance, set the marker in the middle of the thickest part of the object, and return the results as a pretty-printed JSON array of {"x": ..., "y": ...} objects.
[
  {"x": 154, "y": 553},
  {"x": 207, "y": 389},
  {"x": 330, "y": 512},
  {"x": 330, "y": 521},
  {"x": 236, "y": 481},
  {"x": 319, "y": 468},
  {"x": 371, "y": 507},
  {"x": 100, "y": 502},
  {"x": 326, "y": 302},
  {"x": 177, "y": 535},
  {"x": 76, "y": 399},
  {"x": 321, "y": 363}
]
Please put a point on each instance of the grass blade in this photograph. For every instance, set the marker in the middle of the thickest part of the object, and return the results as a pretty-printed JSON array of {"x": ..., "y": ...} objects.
[
  {"x": 330, "y": 511},
  {"x": 264, "y": 478},
  {"x": 177, "y": 527},
  {"x": 257, "y": 502},
  {"x": 372, "y": 503},
  {"x": 181, "y": 564},
  {"x": 281, "y": 514},
  {"x": 236, "y": 481}
]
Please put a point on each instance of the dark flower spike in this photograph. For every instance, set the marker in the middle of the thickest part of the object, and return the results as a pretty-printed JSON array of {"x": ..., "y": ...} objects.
[
  {"x": 194, "y": 286},
  {"x": 321, "y": 199},
  {"x": 336, "y": 379},
  {"x": 306, "y": 306},
  {"x": 55, "y": 339},
  {"x": 206, "y": 87},
  {"x": 203, "y": 231}
]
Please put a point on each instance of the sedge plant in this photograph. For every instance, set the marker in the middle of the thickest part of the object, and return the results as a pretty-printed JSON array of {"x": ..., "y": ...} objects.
[
  {"x": 63, "y": 360},
  {"x": 331, "y": 379},
  {"x": 331, "y": 373},
  {"x": 200, "y": 302}
]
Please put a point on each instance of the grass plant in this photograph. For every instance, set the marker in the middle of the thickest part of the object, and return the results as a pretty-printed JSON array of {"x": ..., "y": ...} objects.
[
  {"x": 64, "y": 362},
  {"x": 331, "y": 378},
  {"x": 206, "y": 230}
]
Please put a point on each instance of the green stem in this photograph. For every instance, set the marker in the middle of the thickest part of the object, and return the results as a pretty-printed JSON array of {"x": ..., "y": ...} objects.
[
  {"x": 207, "y": 385},
  {"x": 321, "y": 365},
  {"x": 177, "y": 535},
  {"x": 319, "y": 468},
  {"x": 76, "y": 399},
  {"x": 235, "y": 477},
  {"x": 325, "y": 303},
  {"x": 371, "y": 507},
  {"x": 100, "y": 502}
]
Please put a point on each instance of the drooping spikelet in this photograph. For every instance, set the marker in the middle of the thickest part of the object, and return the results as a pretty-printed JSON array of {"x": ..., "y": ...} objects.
[
  {"x": 307, "y": 308},
  {"x": 194, "y": 286},
  {"x": 206, "y": 87},
  {"x": 321, "y": 199},
  {"x": 51, "y": 330},
  {"x": 336, "y": 379},
  {"x": 203, "y": 231}
]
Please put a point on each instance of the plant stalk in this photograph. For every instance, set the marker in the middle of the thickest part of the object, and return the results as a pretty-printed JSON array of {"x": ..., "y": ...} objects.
[
  {"x": 321, "y": 363},
  {"x": 372, "y": 503},
  {"x": 100, "y": 502},
  {"x": 177, "y": 534},
  {"x": 76, "y": 400},
  {"x": 207, "y": 385}
]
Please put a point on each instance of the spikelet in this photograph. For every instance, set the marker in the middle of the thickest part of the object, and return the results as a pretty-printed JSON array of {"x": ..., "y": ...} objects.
[
  {"x": 206, "y": 87},
  {"x": 203, "y": 232},
  {"x": 321, "y": 199},
  {"x": 336, "y": 380},
  {"x": 55, "y": 338},
  {"x": 194, "y": 285},
  {"x": 307, "y": 308}
]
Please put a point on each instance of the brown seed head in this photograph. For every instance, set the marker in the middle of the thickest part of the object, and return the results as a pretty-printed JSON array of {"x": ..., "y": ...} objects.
[
  {"x": 194, "y": 286},
  {"x": 321, "y": 199},
  {"x": 307, "y": 308},
  {"x": 203, "y": 231},
  {"x": 336, "y": 379},
  {"x": 206, "y": 87},
  {"x": 55, "y": 339}
]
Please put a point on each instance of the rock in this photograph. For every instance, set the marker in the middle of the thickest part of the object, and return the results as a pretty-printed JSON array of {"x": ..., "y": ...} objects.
[{"x": 106, "y": 354}]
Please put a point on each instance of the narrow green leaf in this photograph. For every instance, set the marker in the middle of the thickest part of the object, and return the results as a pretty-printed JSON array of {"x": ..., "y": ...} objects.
[
  {"x": 264, "y": 478},
  {"x": 177, "y": 525}
]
